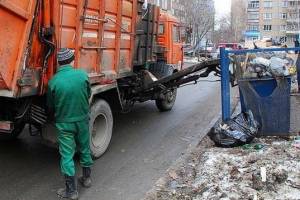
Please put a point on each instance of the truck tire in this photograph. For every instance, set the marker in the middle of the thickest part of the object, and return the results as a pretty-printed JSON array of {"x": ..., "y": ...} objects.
[
  {"x": 167, "y": 104},
  {"x": 14, "y": 135},
  {"x": 161, "y": 69},
  {"x": 101, "y": 126}
]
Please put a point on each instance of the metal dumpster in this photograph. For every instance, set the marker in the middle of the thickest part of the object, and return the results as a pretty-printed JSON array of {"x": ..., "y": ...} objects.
[{"x": 269, "y": 100}]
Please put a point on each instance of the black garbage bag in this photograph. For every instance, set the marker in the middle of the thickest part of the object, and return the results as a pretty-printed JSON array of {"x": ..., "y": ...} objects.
[{"x": 237, "y": 131}]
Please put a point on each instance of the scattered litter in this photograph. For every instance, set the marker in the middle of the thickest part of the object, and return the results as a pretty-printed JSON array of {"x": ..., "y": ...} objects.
[
  {"x": 173, "y": 175},
  {"x": 296, "y": 142},
  {"x": 263, "y": 174},
  {"x": 239, "y": 173},
  {"x": 257, "y": 147},
  {"x": 238, "y": 131}
]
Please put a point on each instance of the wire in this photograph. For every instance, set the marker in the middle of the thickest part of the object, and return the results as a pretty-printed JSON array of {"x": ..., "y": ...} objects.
[{"x": 199, "y": 81}]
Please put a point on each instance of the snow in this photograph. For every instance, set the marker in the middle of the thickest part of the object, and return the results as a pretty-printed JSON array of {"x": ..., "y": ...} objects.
[{"x": 236, "y": 173}]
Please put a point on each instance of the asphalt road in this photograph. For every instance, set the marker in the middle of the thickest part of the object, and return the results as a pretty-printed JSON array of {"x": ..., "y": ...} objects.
[{"x": 145, "y": 143}]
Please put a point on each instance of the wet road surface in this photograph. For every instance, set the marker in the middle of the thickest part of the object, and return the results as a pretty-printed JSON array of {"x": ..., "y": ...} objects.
[{"x": 145, "y": 143}]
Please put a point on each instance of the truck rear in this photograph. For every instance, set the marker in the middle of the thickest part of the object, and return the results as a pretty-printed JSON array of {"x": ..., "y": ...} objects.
[{"x": 125, "y": 49}]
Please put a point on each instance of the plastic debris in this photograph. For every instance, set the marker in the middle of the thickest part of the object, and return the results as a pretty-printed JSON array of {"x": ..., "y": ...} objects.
[
  {"x": 268, "y": 64},
  {"x": 296, "y": 142},
  {"x": 279, "y": 67},
  {"x": 263, "y": 174},
  {"x": 258, "y": 146},
  {"x": 238, "y": 131},
  {"x": 261, "y": 61}
]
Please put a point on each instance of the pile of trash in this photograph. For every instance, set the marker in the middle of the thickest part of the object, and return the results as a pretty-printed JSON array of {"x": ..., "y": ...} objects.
[
  {"x": 268, "y": 64},
  {"x": 266, "y": 169}
]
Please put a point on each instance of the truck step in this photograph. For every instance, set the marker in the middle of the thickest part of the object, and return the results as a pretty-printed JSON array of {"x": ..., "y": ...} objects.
[{"x": 38, "y": 115}]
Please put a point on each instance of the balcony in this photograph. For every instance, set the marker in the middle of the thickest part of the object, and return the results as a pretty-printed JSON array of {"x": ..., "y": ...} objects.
[
  {"x": 253, "y": 9},
  {"x": 253, "y": 21},
  {"x": 293, "y": 20},
  {"x": 251, "y": 33},
  {"x": 293, "y": 6},
  {"x": 294, "y": 9}
]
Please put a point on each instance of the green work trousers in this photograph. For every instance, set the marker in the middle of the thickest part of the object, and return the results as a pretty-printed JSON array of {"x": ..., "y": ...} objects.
[{"x": 70, "y": 134}]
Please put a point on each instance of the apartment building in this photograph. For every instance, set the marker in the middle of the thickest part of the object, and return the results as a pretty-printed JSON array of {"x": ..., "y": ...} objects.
[
  {"x": 273, "y": 20},
  {"x": 164, "y": 4},
  {"x": 178, "y": 9},
  {"x": 252, "y": 32},
  {"x": 293, "y": 21},
  {"x": 278, "y": 20}
]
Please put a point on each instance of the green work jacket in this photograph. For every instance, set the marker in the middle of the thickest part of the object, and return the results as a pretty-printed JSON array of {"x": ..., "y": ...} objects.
[{"x": 68, "y": 95}]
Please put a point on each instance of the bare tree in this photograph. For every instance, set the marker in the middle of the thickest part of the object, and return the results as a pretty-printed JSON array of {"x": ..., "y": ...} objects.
[
  {"x": 198, "y": 15},
  {"x": 223, "y": 32},
  {"x": 238, "y": 19}
]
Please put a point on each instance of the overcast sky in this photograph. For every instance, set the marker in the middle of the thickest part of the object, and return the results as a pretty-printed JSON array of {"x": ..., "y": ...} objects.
[{"x": 223, "y": 7}]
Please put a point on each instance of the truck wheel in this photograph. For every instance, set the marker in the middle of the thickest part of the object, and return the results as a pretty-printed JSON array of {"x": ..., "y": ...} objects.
[
  {"x": 168, "y": 102},
  {"x": 101, "y": 125},
  {"x": 161, "y": 69},
  {"x": 14, "y": 135}
]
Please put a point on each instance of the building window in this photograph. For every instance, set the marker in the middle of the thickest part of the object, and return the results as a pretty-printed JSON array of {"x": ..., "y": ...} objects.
[
  {"x": 294, "y": 3},
  {"x": 253, "y": 4},
  {"x": 267, "y": 16},
  {"x": 253, "y": 27},
  {"x": 283, "y": 28},
  {"x": 267, "y": 27},
  {"x": 268, "y": 4},
  {"x": 283, "y": 15},
  {"x": 285, "y": 4},
  {"x": 294, "y": 15},
  {"x": 162, "y": 3}
]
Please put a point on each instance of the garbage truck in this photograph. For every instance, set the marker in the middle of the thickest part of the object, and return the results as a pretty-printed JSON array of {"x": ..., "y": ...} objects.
[{"x": 131, "y": 50}]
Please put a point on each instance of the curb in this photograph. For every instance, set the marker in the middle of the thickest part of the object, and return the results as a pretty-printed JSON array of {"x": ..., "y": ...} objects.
[
  {"x": 150, "y": 195},
  {"x": 181, "y": 160}
]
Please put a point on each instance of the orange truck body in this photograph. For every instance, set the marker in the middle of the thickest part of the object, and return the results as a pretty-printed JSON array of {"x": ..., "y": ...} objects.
[{"x": 102, "y": 33}]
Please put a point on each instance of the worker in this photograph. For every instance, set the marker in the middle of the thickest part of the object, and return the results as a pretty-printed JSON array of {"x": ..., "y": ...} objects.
[{"x": 68, "y": 96}]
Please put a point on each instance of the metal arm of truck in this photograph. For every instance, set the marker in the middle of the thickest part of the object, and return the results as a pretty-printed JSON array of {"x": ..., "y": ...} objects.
[{"x": 179, "y": 78}]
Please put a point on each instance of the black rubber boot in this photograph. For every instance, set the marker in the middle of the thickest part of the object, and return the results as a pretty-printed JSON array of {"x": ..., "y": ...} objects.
[
  {"x": 70, "y": 191},
  {"x": 85, "y": 179}
]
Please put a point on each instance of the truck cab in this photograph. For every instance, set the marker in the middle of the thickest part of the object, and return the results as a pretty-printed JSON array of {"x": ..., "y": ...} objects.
[{"x": 169, "y": 38}]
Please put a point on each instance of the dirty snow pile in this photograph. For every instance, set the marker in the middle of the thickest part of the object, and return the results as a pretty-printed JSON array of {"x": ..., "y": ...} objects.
[{"x": 267, "y": 169}]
